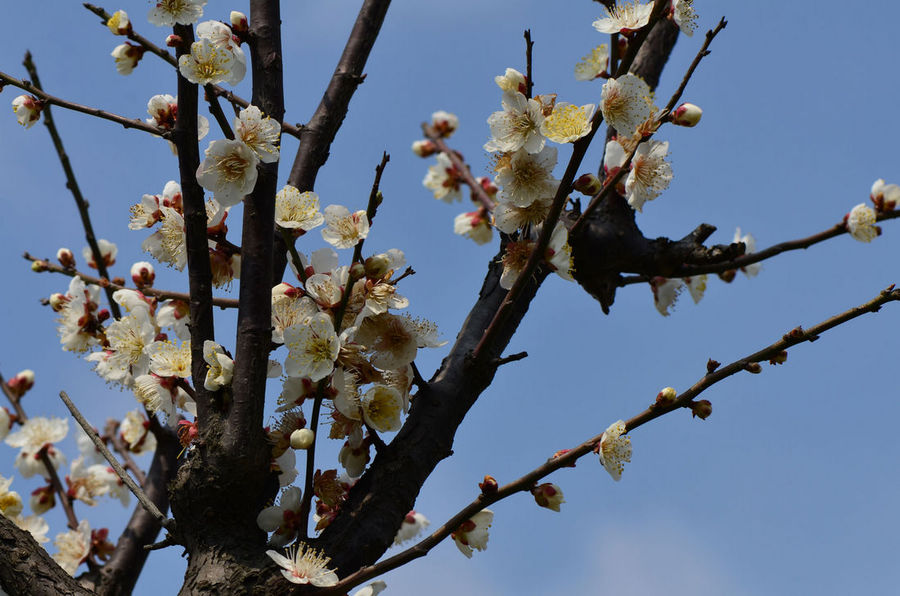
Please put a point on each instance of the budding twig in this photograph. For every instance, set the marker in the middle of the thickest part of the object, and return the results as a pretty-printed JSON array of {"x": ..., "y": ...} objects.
[
  {"x": 372, "y": 206},
  {"x": 168, "y": 524},
  {"x": 464, "y": 172},
  {"x": 158, "y": 294}
]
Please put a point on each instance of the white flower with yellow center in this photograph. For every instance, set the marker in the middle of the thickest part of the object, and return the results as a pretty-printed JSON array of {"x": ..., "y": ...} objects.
[
  {"x": 593, "y": 65},
  {"x": 861, "y": 223},
  {"x": 288, "y": 311},
  {"x": 74, "y": 547},
  {"x": 650, "y": 173},
  {"x": 10, "y": 501},
  {"x": 305, "y": 565},
  {"x": 118, "y": 23},
  {"x": 206, "y": 63},
  {"x": 345, "y": 229},
  {"x": 624, "y": 18},
  {"x": 626, "y": 103},
  {"x": 108, "y": 252},
  {"x": 127, "y": 57},
  {"x": 518, "y": 126},
  {"x": 684, "y": 16},
  {"x": 473, "y": 533},
  {"x": 559, "y": 253},
  {"x": 134, "y": 430},
  {"x": 527, "y": 177},
  {"x": 167, "y": 244},
  {"x": 443, "y": 179},
  {"x": 37, "y": 432},
  {"x": 221, "y": 366},
  {"x": 313, "y": 348},
  {"x": 128, "y": 337},
  {"x": 161, "y": 394},
  {"x": 615, "y": 449},
  {"x": 229, "y": 171},
  {"x": 170, "y": 360},
  {"x": 222, "y": 38},
  {"x": 166, "y": 13},
  {"x": 88, "y": 482},
  {"x": 260, "y": 133},
  {"x": 327, "y": 289},
  {"x": 297, "y": 210},
  {"x": 381, "y": 408},
  {"x": 568, "y": 123},
  {"x": 393, "y": 339},
  {"x": 750, "y": 247},
  {"x": 509, "y": 217}
]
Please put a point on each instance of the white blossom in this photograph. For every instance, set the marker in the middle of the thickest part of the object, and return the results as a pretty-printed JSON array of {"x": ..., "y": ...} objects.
[
  {"x": 650, "y": 173},
  {"x": 305, "y": 565},
  {"x": 260, "y": 133},
  {"x": 166, "y": 13},
  {"x": 229, "y": 171},
  {"x": 313, "y": 348},
  {"x": 344, "y": 229},
  {"x": 615, "y": 449},
  {"x": 518, "y": 126},
  {"x": 626, "y": 103},
  {"x": 624, "y": 18},
  {"x": 861, "y": 223},
  {"x": 473, "y": 533},
  {"x": 297, "y": 210}
]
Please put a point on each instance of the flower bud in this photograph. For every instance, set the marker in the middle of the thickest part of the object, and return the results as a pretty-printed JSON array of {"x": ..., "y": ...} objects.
[
  {"x": 22, "y": 382},
  {"x": 488, "y": 186},
  {"x": 666, "y": 396},
  {"x": 357, "y": 271},
  {"x": 701, "y": 409},
  {"x": 103, "y": 314},
  {"x": 444, "y": 123},
  {"x": 753, "y": 367},
  {"x": 284, "y": 289},
  {"x": 489, "y": 486},
  {"x": 142, "y": 274},
  {"x": 712, "y": 365},
  {"x": 687, "y": 114},
  {"x": 548, "y": 495},
  {"x": 65, "y": 258},
  {"x": 424, "y": 148},
  {"x": 302, "y": 438},
  {"x": 119, "y": 24},
  {"x": 174, "y": 41},
  {"x": 588, "y": 184},
  {"x": 42, "y": 500},
  {"x": 238, "y": 22},
  {"x": 57, "y": 301},
  {"x": 27, "y": 109},
  {"x": 377, "y": 266},
  {"x": 127, "y": 56}
]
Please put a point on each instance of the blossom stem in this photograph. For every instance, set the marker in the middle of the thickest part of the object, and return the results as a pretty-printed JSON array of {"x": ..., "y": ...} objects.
[
  {"x": 168, "y": 524},
  {"x": 464, "y": 173}
]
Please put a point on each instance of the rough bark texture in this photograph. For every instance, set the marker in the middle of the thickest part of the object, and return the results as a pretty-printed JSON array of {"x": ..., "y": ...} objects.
[{"x": 28, "y": 569}]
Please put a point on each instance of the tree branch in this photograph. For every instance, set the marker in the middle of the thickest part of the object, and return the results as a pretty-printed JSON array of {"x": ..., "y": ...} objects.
[{"x": 462, "y": 167}]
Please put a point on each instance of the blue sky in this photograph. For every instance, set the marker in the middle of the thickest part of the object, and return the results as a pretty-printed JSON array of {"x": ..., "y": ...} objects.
[{"x": 790, "y": 487}]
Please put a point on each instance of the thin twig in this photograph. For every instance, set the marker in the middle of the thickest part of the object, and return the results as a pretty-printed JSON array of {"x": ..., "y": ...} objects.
[
  {"x": 216, "y": 110},
  {"x": 168, "y": 524},
  {"x": 112, "y": 432},
  {"x": 77, "y": 107},
  {"x": 372, "y": 206},
  {"x": 72, "y": 185},
  {"x": 406, "y": 273},
  {"x": 762, "y": 255},
  {"x": 704, "y": 51},
  {"x": 46, "y": 265},
  {"x": 64, "y": 499},
  {"x": 306, "y": 500},
  {"x": 465, "y": 173},
  {"x": 569, "y": 457},
  {"x": 510, "y": 358},
  {"x": 529, "y": 82}
]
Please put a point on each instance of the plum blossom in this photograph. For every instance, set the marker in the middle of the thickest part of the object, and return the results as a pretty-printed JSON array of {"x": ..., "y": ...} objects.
[
  {"x": 207, "y": 63},
  {"x": 665, "y": 293},
  {"x": 750, "y": 247},
  {"x": 10, "y": 501},
  {"x": 168, "y": 12},
  {"x": 305, "y": 565},
  {"x": 593, "y": 65},
  {"x": 444, "y": 123},
  {"x": 298, "y": 211},
  {"x": 861, "y": 223},
  {"x": 221, "y": 366},
  {"x": 127, "y": 56},
  {"x": 74, "y": 547},
  {"x": 170, "y": 360},
  {"x": 313, "y": 348},
  {"x": 413, "y": 525},
  {"x": 27, "y": 110},
  {"x": 624, "y": 18},
  {"x": 475, "y": 225},
  {"x": 527, "y": 177},
  {"x": 443, "y": 180},
  {"x": 885, "y": 196},
  {"x": 518, "y": 126},
  {"x": 282, "y": 519},
  {"x": 344, "y": 229},
  {"x": 381, "y": 408},
  {"x": 650, "y": 173},
  {"x": 568, "y": 123},
  {"x": 684, "y": 16},
  {"x": 626, "y": 103},
  {"x": 615, "y": 449},
  {"x": 221, "y": 37},
  {"x": 260, "y": 133},
  {"x": 108, "y": 252},
  {"x": 228, "y": 171},
  {"x": 512, "y": 80},
  {"x": 473, "y": 533}
]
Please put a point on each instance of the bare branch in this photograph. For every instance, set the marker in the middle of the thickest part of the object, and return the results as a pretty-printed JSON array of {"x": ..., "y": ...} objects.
[
  {"x": 27, "y": 567},
  {"x": 371, "y": 209}
]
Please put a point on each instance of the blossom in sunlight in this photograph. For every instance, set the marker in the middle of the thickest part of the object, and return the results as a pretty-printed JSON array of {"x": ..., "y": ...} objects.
[
  {"x": 392, "y": 338},
  {"x": 474, "y": 225},
  {"x": 593, "y": 65},
  {"x": 163, "y": 394},
  {"x": 290, "y": 310},
  {"x": 108, "y": 252},
  {"x": 443, "y": 180},
  {"x": 684, "y": 16},
  {"x": 168, "y": 243},
  {"x": 27, "y": 109},
  {"x": 166, "y": 13},
  {"x": 313, "y": 348},
  {"x": 118, "y": 23},
  {"x": 206, "y": 63},
  {"x": 568, "y": 123},
  {"x": 344, "y": 229},
  {"x": 175, "y": 314},
  {"x": 473, "y": 533},
  {"x": 327, "y": 289},
  {"x": 127, "y": 56},
  {"x": 37, "y": 432},
  {"x": 74, "y": 547},
  {"x": 128, "y": 337},
  {"x": 163, "y": 109},
  {"x": 170, "y": 360},
  {"x": 298, "y": 211},
  {"x": 282, "y": 519},
  {"x": 518, "y": 126},
  {"x": 559, "y": 253},
  {"x": 21, "y": 382},
  {"x": 10, "y": 501},
  {"x": 750, "y": 243},
  {"x": 615, "y": 449},
  {"x": 512, "y": 80},
  {"x": 626, "y": 103},
  {"x": 624, "y": 18},
  {"x": 221, "y": 37},
  {"x": 228, "y": 171},
  {"x": 526, "y": 177},
  {"x": 444, "y": 123},
  {"x": 650, "y": 173},
  {"x": 135, "y": 432},
  {"x": 381, "y": 408},
  {"x": 665, "y": 293},
  {"x": 413, "y": 525},
  {"x": 548, "y": 495},
  {"x": 221, "y": 366},
  {"x": 687, "y": 114},
  {"x": 424, "y": 148},
  {"x": 260, "y": 133},
  {"x": 238, "y": 21},
  {"x": 696, "y": 285},
  {"x": 88, "y": 482},
  {"x": 305, "y": 565},
  {"x": 861, "y": 223},
  {"x": 509, "y": 217}
]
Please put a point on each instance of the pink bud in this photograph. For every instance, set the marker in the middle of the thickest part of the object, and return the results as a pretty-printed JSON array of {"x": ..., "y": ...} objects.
[
  {"x": 22, "y": 382},
  {"x": 424, "y": 148},
  {"x": 143, "y": 275},
  {"x": 588, "y": 184},
  {"x": 174, "y": 41},
  {"x": 687, "y": 114},
  {"x": 65, "y": 257},
  {"x": 239, "y": 22}
]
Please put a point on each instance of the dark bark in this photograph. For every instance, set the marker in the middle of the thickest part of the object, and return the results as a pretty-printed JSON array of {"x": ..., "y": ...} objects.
[{"x": 28, "y": 569}]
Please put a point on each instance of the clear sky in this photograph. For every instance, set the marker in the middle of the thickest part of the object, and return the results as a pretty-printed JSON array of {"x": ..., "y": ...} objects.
[{"x": 790, "y": 487}]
